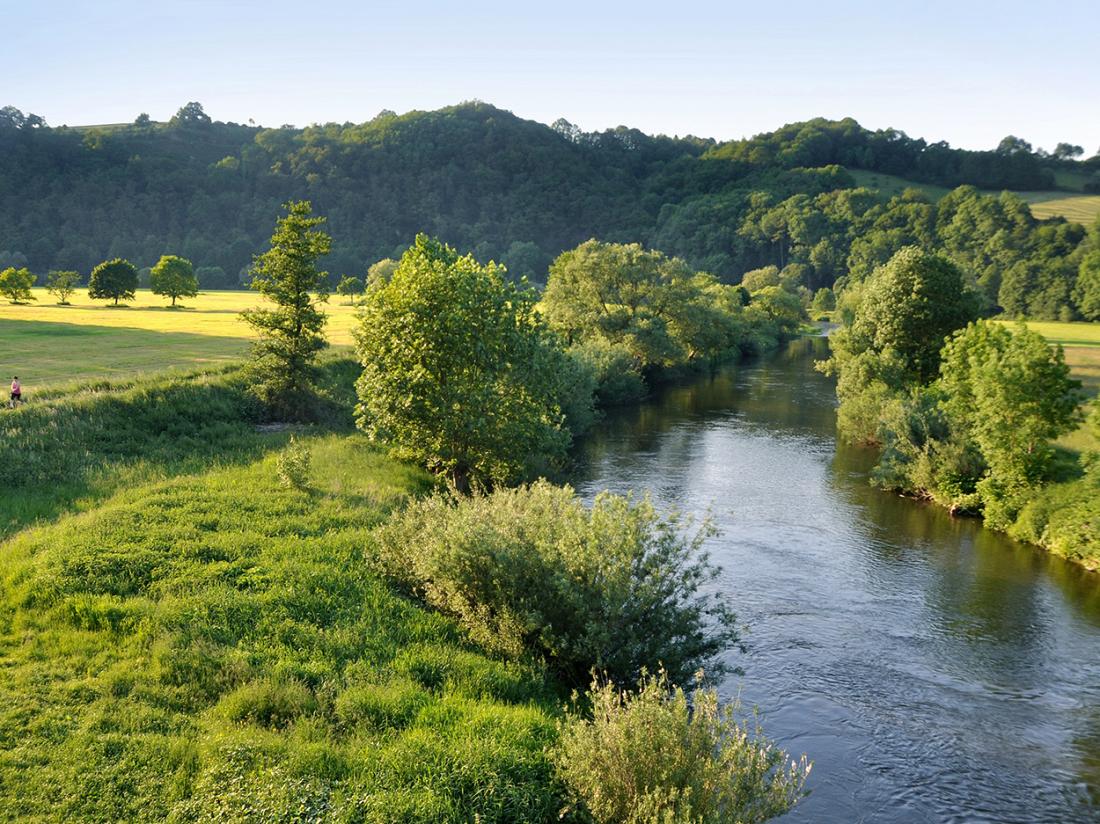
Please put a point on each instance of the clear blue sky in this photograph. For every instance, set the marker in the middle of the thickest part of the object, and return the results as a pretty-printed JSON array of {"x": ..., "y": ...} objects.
[{"x": 966, "y": 72}]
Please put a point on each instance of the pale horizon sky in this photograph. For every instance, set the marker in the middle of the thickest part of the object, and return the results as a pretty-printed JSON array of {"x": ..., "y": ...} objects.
[{"x": 966, "y": 72}]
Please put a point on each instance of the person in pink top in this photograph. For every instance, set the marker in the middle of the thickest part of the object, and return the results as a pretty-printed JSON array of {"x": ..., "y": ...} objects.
[{"x": 16, "y": 392}]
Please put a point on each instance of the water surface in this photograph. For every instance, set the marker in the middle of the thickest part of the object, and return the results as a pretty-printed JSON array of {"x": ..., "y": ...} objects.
[{"x": 933, "y": 670}]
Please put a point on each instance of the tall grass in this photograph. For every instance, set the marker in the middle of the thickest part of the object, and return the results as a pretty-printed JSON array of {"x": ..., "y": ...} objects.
[{"x": 210, "y": 648}]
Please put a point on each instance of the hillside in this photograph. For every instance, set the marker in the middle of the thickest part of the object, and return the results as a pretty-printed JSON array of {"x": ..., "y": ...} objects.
[{"x": 479, "y": 177}]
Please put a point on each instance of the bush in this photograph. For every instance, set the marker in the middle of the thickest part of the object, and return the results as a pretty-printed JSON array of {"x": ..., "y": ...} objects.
[
  {"x": 653, "y": 757},
  {"x": 293, "y": 465},
  {"x": 615, "y": 587}
]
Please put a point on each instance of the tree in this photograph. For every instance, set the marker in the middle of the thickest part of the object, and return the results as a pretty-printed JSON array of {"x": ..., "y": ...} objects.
[
  {"x": 113, "y": 280},
  {"x": 291, "y": 334},
  {"x": 910, "y": 306},
  {"x": 901, "y": 315},
  {"x": 190, "y": 114},
  {"x": 1012, "y": 394},
  {"x": 61, "y": 284},
  {"x": 143, "y": 121},
  {"x": 15, "y": 285},
  {"x": 459, "y": 373},
  {"x": 1067, "y": 151},
  {"x": 1087, "y": 292},
  {"x": 1013, "y": 145},
  {"x": 349, "y": 286},
  {"x": 381, "y": 272},
  {"x": 174, "y": 277}
]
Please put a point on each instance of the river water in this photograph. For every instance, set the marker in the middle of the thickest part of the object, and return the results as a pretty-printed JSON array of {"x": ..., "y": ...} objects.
[{"x": 934, "y": 671}]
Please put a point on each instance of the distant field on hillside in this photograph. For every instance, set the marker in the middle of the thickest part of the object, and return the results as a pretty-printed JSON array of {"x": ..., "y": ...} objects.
[
  {"x": 46, "y": 344},
  {"x": 1078, "y": 207}
]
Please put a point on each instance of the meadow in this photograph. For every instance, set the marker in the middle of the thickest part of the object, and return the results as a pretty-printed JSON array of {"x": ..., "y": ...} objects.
[{"x": 49, "y": 345}]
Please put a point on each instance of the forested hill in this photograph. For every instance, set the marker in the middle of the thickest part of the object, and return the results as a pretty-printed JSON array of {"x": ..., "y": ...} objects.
[{"x": 480, "y": 178}]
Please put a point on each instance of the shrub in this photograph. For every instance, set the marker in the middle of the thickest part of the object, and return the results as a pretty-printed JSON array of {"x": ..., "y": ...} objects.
[
  {"x": 653, "y": 757},
  {"x": 293, "y": 465},
  {"x": 615, "y": 587}
]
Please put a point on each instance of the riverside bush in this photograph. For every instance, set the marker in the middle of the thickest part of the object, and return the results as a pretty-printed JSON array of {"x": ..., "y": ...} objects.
[
  {"x": 531, "y": 569},
  {"x": 654, "y": 757}
]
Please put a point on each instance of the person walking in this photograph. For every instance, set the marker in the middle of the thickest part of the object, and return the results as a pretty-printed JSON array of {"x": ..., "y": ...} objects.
[{"x": 16, "y": 392}]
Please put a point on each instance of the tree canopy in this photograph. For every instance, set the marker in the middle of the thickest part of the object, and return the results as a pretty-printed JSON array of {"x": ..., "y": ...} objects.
[
  {"x": 113, "y": 280},
  {"x": 173, "y": 277},
  {"x": 459, "y": 372}
]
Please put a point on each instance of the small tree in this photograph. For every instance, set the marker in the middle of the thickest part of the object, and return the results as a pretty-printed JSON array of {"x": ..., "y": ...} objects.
[
  {"x": 291, "y": 334},
  {"x": 62, "y": 284},
  {"x": 349, "y": 286},
  {"x": 15, "y": 285},
  {"x": 113, "y": 280},
  {"x": 174, "y": 277}
]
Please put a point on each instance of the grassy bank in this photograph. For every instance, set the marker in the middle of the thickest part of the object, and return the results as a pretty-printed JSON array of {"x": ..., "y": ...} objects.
[
  {"x": 209, "y": 648},
  {"x": 46, "y": 344}
]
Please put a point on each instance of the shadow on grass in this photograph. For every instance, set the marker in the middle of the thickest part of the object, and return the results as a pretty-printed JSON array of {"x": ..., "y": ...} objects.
[{"x": 67, "y": 453}]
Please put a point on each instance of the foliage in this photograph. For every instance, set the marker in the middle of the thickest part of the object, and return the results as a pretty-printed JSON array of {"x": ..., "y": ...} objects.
[
  {"x": 282, "y": 367},
  {"x": 896, "y": 329},
  {"x": 293, "y": 465},
  {"x": 349, "y": 286},
  {"x": 656, "y": 756},
  {"x": 113, "y": 280},
  {"x": 629, "y": 311},
  {"x": 62, "y": 284},
  {"x": 15, "y": 285},
  {"x": 616, "y": 587},
  {"x": 1088, "y": 286},
  {"x": 459, "y": 373},
  {"x": 1011, "y": 393},
  {"x": 174, "y": 277},
  {"x": 381, "y": 272},
  {"x": 494, "y": 184}
]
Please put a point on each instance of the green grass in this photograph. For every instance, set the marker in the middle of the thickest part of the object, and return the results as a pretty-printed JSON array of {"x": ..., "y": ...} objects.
[
  {"x": 1073, "y": 206},
  {"x": 47, "y": 345},
  {"x": 210, "y": 648}
]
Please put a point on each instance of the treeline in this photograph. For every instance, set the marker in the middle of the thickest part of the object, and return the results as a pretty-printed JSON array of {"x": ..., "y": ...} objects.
[
  {"x": 965, "y": 411},
  {"x": 503, "y": 188}
]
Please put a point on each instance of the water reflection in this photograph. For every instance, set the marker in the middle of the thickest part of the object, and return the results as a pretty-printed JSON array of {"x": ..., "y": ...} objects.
[{"x": 934, "y": 670}]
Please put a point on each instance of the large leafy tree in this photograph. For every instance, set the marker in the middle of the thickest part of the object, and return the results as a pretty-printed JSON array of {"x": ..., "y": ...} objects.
[
  {"x": 113, "y": 280},
  {"x": 174, "y": 277},
  {"x": 910, "y": 306},
  {"x": 459, "y": 373},
  {"x": 292, "y": 332},
  {"x": 15, "y": 285},
  {"x": 901, "y": 316},
  {"x": 1011, "y": 393}
]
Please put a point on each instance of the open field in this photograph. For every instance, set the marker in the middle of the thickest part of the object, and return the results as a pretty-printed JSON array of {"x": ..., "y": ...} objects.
[
  {"x": 1081, "y": 208},
  {"x": 46, "y": 344}
]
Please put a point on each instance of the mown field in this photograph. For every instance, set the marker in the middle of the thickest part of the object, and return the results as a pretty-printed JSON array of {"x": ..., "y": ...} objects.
[
  {"x": 47, "y": 345},
  {"x": 1082, "y": 208}
]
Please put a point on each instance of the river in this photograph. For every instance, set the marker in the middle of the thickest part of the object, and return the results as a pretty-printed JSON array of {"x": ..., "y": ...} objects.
[{"x": 933, "y": 670}]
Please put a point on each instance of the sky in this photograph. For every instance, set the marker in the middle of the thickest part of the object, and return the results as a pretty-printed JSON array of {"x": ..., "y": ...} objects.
[{"x": 966, "y": 72}]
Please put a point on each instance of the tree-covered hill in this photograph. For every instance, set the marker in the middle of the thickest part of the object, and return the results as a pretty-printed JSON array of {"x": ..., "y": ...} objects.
[{"x": 479, "y": 177}]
